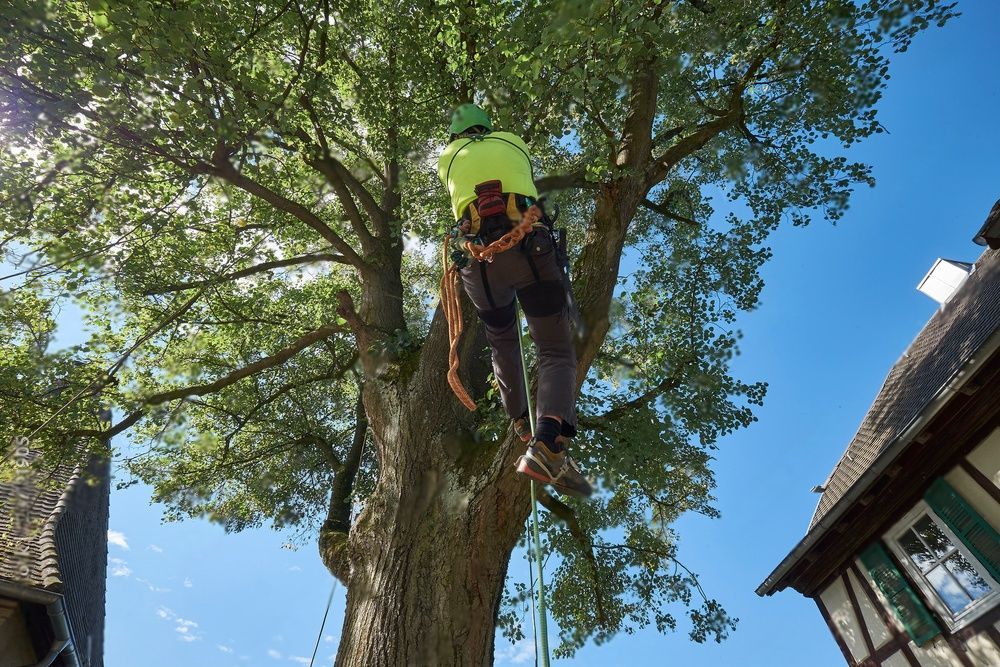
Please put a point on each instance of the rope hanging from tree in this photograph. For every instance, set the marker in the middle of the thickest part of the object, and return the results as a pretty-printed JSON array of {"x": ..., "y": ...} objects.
[{"x": 543, "y": 626}]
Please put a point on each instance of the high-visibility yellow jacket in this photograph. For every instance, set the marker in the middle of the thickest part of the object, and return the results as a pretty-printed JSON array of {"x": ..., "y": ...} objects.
[{"x": 468, "y": 161}]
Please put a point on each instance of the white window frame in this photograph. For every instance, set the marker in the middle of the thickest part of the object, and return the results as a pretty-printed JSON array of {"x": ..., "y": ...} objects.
[{"x": 973, "y": 611}]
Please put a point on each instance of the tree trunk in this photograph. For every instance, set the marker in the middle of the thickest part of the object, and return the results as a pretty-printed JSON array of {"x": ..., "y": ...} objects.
[{"x": 429, "y": 552}]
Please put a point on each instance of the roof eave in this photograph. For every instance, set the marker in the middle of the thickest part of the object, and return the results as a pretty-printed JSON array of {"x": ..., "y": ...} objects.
[{"x": 771, "y": 584}]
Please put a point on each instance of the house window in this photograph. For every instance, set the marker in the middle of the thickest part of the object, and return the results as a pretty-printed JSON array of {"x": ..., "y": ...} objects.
[{"x": 954, "y": 583}]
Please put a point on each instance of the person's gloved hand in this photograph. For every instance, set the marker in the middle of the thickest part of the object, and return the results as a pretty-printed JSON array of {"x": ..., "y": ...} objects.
[
  {"x": 460, "y": 259},
  {"x": 460, "y": 253}
]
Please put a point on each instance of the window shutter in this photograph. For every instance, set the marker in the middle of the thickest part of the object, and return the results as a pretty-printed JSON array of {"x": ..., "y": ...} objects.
[
  {"x": 907, "y": 605},
  {"x": 980, "y": 537}
]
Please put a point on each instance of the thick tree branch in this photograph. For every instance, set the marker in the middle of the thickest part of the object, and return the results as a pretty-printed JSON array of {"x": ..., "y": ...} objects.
[
  {"x": 224, "y": 169},
  {"x": 566, "y": 514},
  {"x": 271, "y": 361},
  {"x": 662, "y": 165},
  {"x": 623, "y": 409},
  {"x": 340, "y": 178},
  {"x": 667, "y": 213},
  {"x": 249, "y": 271},
  {"x": 637, "y": 135},
  {"x": 363, "y": 334},
  {"x": 391, "y": 196},
  {"x": 326, "y": 449},
  {"x": 733, "y": 116},
  {"x": 334, "y": 532},
  {"x": 556, "y": 182},
  {"x": 336, "y": 173}
]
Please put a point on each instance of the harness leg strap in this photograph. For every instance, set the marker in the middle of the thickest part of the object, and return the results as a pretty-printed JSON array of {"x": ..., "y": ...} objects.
[
  {"x": 486, "y": 285},
  {"x": 526, "y": 249}
]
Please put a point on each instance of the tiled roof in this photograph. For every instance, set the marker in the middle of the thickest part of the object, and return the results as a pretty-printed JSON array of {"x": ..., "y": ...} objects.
[
  {"x": 952, "y": 336},
  {"x": 43, "y": 496}
]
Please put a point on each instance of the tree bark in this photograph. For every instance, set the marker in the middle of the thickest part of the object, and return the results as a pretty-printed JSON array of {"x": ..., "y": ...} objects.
[{"x": 429, "y": 551}]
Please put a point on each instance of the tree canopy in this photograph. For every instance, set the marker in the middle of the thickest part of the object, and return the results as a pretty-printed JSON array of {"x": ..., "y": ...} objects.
[{"x": 216, "y": 184}]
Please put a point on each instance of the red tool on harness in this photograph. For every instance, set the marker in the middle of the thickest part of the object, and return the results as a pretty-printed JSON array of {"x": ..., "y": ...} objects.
[{"x": 490, "y": 200}]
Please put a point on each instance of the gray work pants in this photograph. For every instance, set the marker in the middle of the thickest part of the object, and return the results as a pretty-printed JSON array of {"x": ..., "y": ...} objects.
[{"x": 492, "y": 287}]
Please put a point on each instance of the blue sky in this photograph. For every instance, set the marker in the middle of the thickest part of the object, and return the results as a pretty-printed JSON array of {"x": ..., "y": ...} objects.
[{"x": 839, "y": 308}]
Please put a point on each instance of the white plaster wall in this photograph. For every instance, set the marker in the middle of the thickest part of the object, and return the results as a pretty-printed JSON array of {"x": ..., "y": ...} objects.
[
  {"x": 986, "y": 456},
  {"x": 838, "y": 605},
  {"x": 936, "y": 653},
  {"x": 983, "y": 652},
  {"x": 897, "y": 659},
  {"x": 876, "y": 628}
]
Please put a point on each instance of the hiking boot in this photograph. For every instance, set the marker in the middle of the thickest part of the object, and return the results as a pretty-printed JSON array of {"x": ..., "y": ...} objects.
[
  {"x": 522, "y": 429},
  {"x": 559, "y": 470}
]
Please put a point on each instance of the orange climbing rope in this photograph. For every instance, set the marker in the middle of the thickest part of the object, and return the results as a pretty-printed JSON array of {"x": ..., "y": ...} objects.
[{"x": 449, "y": 291}]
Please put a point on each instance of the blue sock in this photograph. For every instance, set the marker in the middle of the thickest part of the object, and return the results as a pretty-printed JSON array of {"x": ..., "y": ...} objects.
[{"x": 546, "y": 431}]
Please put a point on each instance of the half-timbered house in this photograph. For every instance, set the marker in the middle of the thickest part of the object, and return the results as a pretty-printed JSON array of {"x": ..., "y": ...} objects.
[{"x": 902, "y": 555}]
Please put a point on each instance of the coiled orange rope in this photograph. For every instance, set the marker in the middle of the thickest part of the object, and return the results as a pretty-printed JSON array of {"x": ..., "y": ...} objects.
[{"x": 449, "y": 291}]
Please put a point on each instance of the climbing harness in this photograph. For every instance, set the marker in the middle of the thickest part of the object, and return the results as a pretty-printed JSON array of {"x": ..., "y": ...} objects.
[
  {"x": 562, "y": 257},
  {"x": 449, "y": 286},
  {"x": 543, "y": 629}
]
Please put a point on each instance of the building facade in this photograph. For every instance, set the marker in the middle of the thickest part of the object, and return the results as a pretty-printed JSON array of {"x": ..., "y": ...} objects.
[{"x": 902, "y": 555}]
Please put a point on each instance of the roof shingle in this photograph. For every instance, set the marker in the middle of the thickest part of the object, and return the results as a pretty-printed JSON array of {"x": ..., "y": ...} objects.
[{"x": 44, "y": 502}]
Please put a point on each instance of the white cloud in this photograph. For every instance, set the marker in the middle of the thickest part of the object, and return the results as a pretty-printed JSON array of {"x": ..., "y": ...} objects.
[
  {"x": 328, "y": 638},
  {"x": 184, "y": 625},
  {"x": 155, "y": 548},
  {"x": 224, "y": 649},
  {"x": 153, "y": 587},
  {"x": 118, "y": 539},
  {"x": 188, "y": 583},
  {"x": 519, "y": 653},
  {"x": 186, "y": 630},
  {"x": 295, "y": 568},
  {"x": 119, "y": 568},
  {"x": 271, "y": 653},
  {"x": 299, "y": 659}
]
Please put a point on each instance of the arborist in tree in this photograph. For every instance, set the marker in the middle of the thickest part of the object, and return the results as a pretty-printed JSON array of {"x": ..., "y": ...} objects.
[{"x": 506, "y": 249}]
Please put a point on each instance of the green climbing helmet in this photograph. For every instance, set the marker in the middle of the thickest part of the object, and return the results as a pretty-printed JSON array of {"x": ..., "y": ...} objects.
[{"x": 469, "y": 115}]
